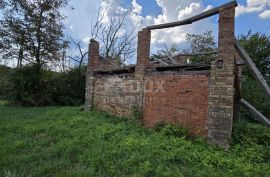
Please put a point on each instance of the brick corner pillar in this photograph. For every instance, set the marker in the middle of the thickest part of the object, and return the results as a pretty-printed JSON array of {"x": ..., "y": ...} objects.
[
  {"x": 143, "y": 58},
  {"x": 143, "y": 52},
  {"x": 222, "y": 79},
  {"x": 93, "y": 58}
]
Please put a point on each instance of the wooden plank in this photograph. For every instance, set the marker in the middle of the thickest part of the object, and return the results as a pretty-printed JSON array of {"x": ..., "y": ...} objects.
[
  {"x": 159, "y": 60},
  {"x": 256, "y": 73},
  {"x": 186, "y": 67},
  {"x": 195, "y": 18},
  {"x": 259, "y": 116},
  {"x": 169, "y": 56},
  {"x": 116, "y": 71},
  {"x": 238, "y": 85},
  {"x": 113, "y": 64},
  {"x": 196, "y": 54}
]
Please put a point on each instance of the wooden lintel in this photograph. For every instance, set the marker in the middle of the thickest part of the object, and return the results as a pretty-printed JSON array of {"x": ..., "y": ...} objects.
[
  {"x": 259, "y": 116},
  {"x": 256, "y": 73},
  {"x": 195, "y": 18}
]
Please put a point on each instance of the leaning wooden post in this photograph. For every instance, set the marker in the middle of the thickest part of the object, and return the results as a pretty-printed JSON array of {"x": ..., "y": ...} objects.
[
  {"x": 252, "y": 66},
  {"x": 221, "y": 94},
  {"x": 93, "y": 58}
]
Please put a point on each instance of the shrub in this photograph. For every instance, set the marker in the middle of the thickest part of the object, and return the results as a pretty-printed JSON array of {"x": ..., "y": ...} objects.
[
  {"x": 68, "y": 88},
  {"x": 252, "y": 140},
  {"x": 171, "y": 130},
  {"x": 28, "y": 86},
  {"x": 254, "y": 94},
  {"x": 4, "y": 82},
  {"x": 31, "y": 87},
  {"x": 136, "y": 114}
]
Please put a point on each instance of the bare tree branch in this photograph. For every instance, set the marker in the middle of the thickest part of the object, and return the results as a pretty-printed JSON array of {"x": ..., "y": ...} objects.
[
  {"x": 79, "y": 58},
  {"x": 116, "y": 39}
]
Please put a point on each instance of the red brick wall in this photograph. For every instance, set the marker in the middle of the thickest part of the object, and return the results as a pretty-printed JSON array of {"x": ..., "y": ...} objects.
[{"x": 179, "y": 99}]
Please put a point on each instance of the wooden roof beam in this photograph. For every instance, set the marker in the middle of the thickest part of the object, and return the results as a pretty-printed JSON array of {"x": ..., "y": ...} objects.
[{"x": 195, "y": 18}]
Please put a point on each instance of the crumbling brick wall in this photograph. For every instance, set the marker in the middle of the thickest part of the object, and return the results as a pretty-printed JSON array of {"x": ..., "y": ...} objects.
[
  {"x": 117, "y": 93},
  {"x": 201, "y": 100}
]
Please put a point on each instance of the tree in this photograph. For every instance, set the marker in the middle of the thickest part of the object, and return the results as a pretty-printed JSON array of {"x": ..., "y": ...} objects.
[
  {"x": 201, "y": 44},
  {"x": 258, "y": 47},
  {"x": 116, "y": 36},
  {"x": 2, "y": 4},
  {"x": 4, "y": 81},
  {"x": 32, "y": 31},
  {"x": 166, "y": 55}
]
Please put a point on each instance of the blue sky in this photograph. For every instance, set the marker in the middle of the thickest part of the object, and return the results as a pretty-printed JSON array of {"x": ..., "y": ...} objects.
[
  {"x": 244, "y": 23},
  {"x": 251, "y": 15},
  {"x": 85, "y": 10}
]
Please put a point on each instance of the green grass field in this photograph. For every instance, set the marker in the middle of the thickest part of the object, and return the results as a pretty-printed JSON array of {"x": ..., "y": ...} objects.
[{"x": 64, "y": 141}]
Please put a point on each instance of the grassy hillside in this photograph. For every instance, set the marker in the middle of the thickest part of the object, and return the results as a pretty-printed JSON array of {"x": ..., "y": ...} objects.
[{"x": 63, "y": 141}]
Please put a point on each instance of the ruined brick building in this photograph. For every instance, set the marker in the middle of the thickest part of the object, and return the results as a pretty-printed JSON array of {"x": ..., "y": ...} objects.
[{"x": 199, "y": 97}]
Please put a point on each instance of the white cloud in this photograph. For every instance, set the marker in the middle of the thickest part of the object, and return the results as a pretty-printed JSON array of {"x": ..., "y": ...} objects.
[
  {"x": 137, "y": 8},
  {"x": 188, "y": 11},
  {"x": 79, "y": 20},
  {"x": 256, "y": 3},
  {"x": 243, "y": 9},
  {"x": 86, "y": 39},
  {"x": 175, "y": 10},
  {"x": 265, "y": 14},
  {"x": 135, "y": 14},
  {"x": 254, "y": 6},
  {"x": 71, "y": 27},
  {"x": 110, "y": 8},
  {"x": 208, "y": 7}
]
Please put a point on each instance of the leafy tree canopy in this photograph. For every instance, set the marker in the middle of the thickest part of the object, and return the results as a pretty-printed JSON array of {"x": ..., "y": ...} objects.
[
  {"x": 258, "y": 47},
  {"x": 32, "y": 31}
]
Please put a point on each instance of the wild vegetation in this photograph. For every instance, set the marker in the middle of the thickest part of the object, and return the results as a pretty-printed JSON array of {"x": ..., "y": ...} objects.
[
  {"x": 22, "y": 87},
  {"x": 32, "y": 38},
  {"x": 258, "y": 47},
  {"x": 65, "y": 141}
]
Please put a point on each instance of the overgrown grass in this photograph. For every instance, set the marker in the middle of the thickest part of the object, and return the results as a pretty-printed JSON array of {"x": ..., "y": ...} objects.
[
  {"x": 66, "y": 142},
  {"x": 3, "y": 103}
]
